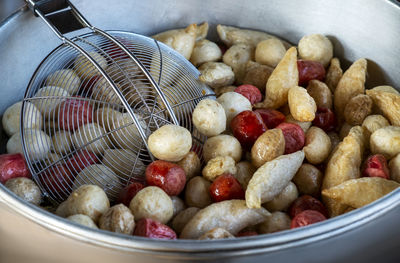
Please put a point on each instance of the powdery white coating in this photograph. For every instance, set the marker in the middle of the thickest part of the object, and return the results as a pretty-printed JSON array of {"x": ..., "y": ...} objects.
[
  {"x": 270, "y": 51},
  {"x": 89, "y": 200},
  {"x": 26, "y": 189},
  {"x": 302, "y": 105},
  {"x": 205, "y": 51},
  {"x": 85, "y": 69},
  {"x": 209, "y": 117},
  {"x": 216, "y": 233},
  {"x": 271, "y": 178},
  {"x": 237, "y": 57},
  {"x": 12, "y": 118},
  {"x": 216, "y": 74},
  {"x": 373, "y": 123},
  {"x": 89, "y": 133},
  {"x": 197, "y": 192},
  {"x": 119, "y": 219},
  {"x": 233, "y": 104},
  {"x": 181, "y": 219},
  {"x": 317, "y": 146},
  {"x": 83, "y": 220},
  {"x": 170, "y": 143},
  {"x": 231, "y": 215},
  {"x": 47, "y": 105},
  {"x": 66, "y": 79},
  {"x": 278, "y": 221},
  {"x": 316, "y": 47},
  {"x": 222, "y": 145},
  {"x": 37, "y": 144},
  {"x": 101, "y": 175},
  {"x": 386, "y": 141},
  {"x": 123, "y": 163},
  {"x": 152, "y": 202},
  {"x": 62, "y": 142},
  {"x": 284, "y": 199},
  {"x": 217, "y": 166}
]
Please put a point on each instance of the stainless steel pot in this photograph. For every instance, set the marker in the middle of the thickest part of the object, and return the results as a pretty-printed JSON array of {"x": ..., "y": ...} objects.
[{"x": 358, "y": 29}]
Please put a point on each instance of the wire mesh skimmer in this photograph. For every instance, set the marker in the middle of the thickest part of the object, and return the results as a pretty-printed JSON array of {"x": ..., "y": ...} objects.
[{"x": 101, "y": 94}]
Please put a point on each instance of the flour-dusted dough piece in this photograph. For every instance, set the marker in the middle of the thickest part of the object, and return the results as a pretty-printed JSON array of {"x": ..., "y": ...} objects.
[
  {"x": 237, "y": 57},
  {"x": 37, "y": 144},
  {"x": 388, "y": 103},
  {"x": 271, "y": 178},
  {"x": 231, "y": 215},
  {"x": 216, "y": 74},
  {"x": 12, "y": 118},
  {"x": 284, "y": 77},
  {"x": 209, "y": 117},
  {"x": 233, "y": 103},
  {"x": 316, "y": 47},
  {"x": 205, "y": 51},
  {"x": 302, "y": 105},
  {"x": 362, "y": 191},
  {"x": 66, "y": 79},
  {"x": 222, "y": 145},
  {"x": 386, "y": 141}
]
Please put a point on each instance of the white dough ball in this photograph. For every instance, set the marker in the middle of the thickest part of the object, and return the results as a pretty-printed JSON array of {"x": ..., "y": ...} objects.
[
  {"x": 316, "y": 47},
  {"x": 270, "y": 52},
  {"x": 209, "y": 117},
  {"x": 12, "y": 118},
  {"x": 37, "y": 144},
  {"x": 233, "y": 104},
  {"x": 66, "y": 79}
]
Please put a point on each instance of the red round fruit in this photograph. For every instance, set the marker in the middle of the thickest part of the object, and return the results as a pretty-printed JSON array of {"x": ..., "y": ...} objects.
[
  {"x": 168, "y": 176},
  {"x": 325, "y": 119},
  {"x": 13, "y": 166},
  {"x": 81, "y": 160},
  {"x": 126, "y": 195},
  {"x": 247, "y": 234},
  {"x": 307, "y": 217},
  {"x": 58, "y": 180},
  {"x": 247, "y": 126},
  {"x": 252, "y": 93},
  {"x": 294, "y": 137},
  {"x": 226, "y": 187},
  {"x": 376, "y": 166},
  {"x": 306, "y": 202},
  {"x": 74, "y": 112},
  {"x": 150, "y": 228},
  {"x": 271, "y": 118},
  {"x": 309, "y": 70}
]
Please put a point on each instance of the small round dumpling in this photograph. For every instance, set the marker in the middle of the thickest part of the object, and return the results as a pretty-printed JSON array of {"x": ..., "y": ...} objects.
[
  {"x": 222, "y": 145},
  {"x": 66, "y": 79},
  {"x": 85, "y": 69},
  {"x": 26, "y": 189},
  {"x": 152, "y": 202},
  {"x": 89, "y": 200},
  {"x": 209, "y": 117},
  {"x": 170, "y": 143},
  {"x": 233, "y": 104},
  {"x": 270, "y": 52},
  {"x": 37, "y": 144},
  {"x": 12, "y": 118},
  {"x": 205, "y": 51},
  {"x": 101, "y": 175},
  {"x": 83, "y": 220},
  {"x": 62, "y": 142},
  {"x": 88, "y": 133},
  {"x": 118, "y": 219},
  {"x": 316, "y": 47},
  {"x": 52, "y": 96}
]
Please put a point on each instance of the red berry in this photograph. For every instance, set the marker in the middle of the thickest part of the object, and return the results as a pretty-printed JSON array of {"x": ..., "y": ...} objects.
[
  {"x": 325, "y": 119},
  {"x": 252, "y": 93},
  {"x": 13, "y": 166},
  {"x": 72, "y": 113},
  {"x": 58, "y": 180},
  {"x": 247, "y": 126},
  {"x": 80, "y": 161},
  {"x": 294, "y": 137},
  {"x": 306, "y": 202},
  {"x": 271, "y": 118},
  {"x": 307, "y": 217},
  {"x": 376, "y": 166},
  {"x": 147, "y": 227},
  {"x": 126, "y": 195},
  {"x": 309, "y": 70},
  {"x": 168, "y": 176},
  {"x": 226, "y": 187},
  {"x": 246, "y": 234}
]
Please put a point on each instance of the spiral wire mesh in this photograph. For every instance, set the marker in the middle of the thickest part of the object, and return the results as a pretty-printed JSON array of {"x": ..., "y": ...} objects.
[{"x": 89, "y": 136}]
